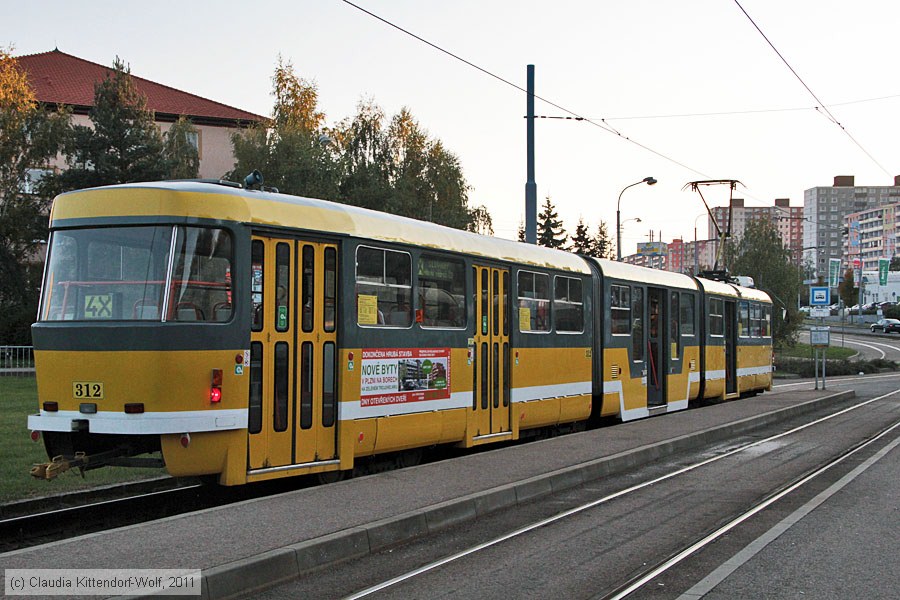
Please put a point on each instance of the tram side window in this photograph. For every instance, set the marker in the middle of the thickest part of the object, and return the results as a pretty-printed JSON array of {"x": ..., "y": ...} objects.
[
  {"x": 534, "y": 301},
  {"x": 716, "y": 317},
  {"x": 442, "y": 292},
  {"x": 755, "y": 320},
  {"x": 620, "y": 309},
  {"x": 257, "y": 270},
  {"x": 687, "y": 314},
  {"x": 674, "y": 336},
  {"x": 744, "y": 326},
  {"x": 637, "y": 331},
  {"x": 568, "y": 312},
  {"x": 383, "y": 287}
]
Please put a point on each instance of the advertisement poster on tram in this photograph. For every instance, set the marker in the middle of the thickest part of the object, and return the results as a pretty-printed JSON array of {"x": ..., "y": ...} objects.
[{"x": 400, "y": 375}]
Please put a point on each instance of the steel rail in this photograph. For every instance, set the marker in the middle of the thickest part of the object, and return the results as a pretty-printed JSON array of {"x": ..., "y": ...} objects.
[{"x": 594, "y": 503}]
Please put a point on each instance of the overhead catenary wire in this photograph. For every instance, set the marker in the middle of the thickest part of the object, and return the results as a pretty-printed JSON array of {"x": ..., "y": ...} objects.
[
  {"x": 604, "y": 123},
  {"x": 822, "y": 108},
  {"x": 600, "y": 123}
]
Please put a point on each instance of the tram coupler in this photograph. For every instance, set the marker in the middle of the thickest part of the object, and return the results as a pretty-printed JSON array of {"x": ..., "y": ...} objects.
[{"x": 81, "y": 461}]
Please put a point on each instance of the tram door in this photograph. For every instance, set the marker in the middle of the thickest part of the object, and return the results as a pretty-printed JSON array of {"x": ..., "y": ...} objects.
[
  {"x": 657, "y": 356},
  {"x": 730, "y": 347},
  {"x": 491, "y": 351},
  {"x": 293, "y": 399}
]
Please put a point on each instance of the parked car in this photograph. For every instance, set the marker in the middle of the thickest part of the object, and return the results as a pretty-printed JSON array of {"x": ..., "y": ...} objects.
[{"x": 886, "y": 325}]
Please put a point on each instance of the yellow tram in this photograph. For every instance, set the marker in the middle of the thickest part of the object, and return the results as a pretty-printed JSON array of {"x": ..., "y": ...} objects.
[{"x": 250, "y": 335}]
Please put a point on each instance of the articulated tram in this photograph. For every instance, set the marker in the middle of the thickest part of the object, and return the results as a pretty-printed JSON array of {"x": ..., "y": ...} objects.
[{"x": 246, "y": 335}]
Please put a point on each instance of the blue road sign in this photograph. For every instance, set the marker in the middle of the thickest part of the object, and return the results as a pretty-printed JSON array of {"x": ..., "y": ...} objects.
[{"x": 819, "y": 296}]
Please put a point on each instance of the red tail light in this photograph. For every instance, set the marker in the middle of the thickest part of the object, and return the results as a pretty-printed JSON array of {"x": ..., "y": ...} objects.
[
  {"x": 50, "y": 406},
  {"x": 134, "y": 408},
  {"x": 215, "y": 391},
  {"x": 35, "y": 436}
]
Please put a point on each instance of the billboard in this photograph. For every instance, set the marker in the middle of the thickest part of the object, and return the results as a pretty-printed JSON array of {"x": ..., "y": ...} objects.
[{"x": 652, "y": 249}]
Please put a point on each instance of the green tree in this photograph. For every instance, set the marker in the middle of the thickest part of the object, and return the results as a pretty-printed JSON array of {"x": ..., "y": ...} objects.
[
  {"x": 30, "y": 136},
  {"x": 603, "y": 245},
  {"x": 480, "y": 221},
  {"x": 759, "y": 253},
  {"x": 582, "y": 242},
  {"x": 365, "y": 158},
  {"x": 362, "y": 160},
  {"x": 550, "y": 230},
  {"x": 293, "y": 151},
  {"x": 847, "y": 289},
  {"x": 123, "y": 143},
  {"x": 181, "y": 154}
]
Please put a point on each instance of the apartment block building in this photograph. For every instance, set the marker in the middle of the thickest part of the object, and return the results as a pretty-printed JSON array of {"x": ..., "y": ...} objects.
[
  {"x": 788, "y": 220},
  {"x": 825, "y": 212},
  {"x": 871, "y": 235}
]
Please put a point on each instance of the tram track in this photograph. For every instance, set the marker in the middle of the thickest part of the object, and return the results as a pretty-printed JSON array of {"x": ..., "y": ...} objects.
[
  {"x": 650, "y": 572},
  {"x": 122, "y": 506},
  {"x": 637, "y": 582}
]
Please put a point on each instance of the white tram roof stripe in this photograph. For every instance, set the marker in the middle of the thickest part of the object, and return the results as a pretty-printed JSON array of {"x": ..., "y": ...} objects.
[{"x": 265, "y": 208}]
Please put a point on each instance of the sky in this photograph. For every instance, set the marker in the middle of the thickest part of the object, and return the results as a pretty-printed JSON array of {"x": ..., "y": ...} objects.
[{"x": 680, "y": 91}]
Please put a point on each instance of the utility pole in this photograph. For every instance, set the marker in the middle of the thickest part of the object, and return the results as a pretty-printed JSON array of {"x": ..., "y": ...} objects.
[{"x": 530, "y": 185}]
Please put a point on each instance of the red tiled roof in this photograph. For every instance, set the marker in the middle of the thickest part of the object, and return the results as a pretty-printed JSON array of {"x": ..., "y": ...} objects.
[{"x": 60, "y": 78}]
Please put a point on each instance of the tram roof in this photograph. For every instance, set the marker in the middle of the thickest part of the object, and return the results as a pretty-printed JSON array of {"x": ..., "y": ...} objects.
[
  {"x": 212, "y": 201},
  {"x": 712, "y": 286},
  {"x": 753, "y": 294},
  {"x": 620, "y": 270}
]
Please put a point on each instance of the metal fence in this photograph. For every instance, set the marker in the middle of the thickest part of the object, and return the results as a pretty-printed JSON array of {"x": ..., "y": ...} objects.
[{"x": 16, "y": 361}]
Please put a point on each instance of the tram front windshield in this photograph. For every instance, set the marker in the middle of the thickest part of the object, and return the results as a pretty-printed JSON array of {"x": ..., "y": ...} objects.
[{"x": 161, "y": 273}]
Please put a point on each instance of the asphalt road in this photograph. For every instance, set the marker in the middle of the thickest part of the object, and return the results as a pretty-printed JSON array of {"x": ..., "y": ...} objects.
[
  {"x": 869, "y": 345},
  {"x": 843, "y": 546}
]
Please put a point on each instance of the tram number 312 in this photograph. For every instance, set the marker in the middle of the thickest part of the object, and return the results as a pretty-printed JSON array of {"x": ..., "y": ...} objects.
[{"x": 87, "y": 389}]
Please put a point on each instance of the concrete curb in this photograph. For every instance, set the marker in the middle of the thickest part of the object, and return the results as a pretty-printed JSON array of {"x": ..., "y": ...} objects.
[{"x": 283, "y": 564}]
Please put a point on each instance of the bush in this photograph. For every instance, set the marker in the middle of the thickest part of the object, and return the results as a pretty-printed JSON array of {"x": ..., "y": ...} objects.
[{"x": 805, "y": 367}]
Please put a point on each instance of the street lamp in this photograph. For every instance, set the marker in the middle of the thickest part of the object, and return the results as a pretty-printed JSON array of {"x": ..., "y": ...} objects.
[{"x": 648, "y": 181}]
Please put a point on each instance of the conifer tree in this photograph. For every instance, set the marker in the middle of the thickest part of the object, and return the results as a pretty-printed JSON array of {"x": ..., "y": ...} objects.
[
  {"x": 582, "y": 242},
  {"x": 603, "y": 245},
  {"x": 550, "y": 230},
  {"x": 124, "y": 143}
]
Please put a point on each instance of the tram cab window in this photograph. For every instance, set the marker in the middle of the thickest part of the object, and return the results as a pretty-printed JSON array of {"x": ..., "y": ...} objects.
[
  {"x": 568, "y": 313},
  {"x": 201, "y": 278},
  {"x": 442, "y": 292},
  {"x": 767, "y": 321},
  {"x": 534, "y": 301},
  {"x": 383, "y": 287},
  {"x": 120, "y": 273}
]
